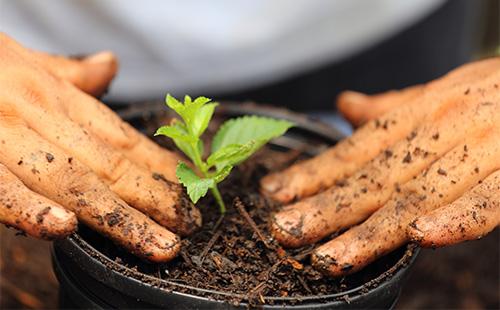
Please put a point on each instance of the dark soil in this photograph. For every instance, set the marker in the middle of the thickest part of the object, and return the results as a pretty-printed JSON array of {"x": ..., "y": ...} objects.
[{"x": 235, "y": 253}]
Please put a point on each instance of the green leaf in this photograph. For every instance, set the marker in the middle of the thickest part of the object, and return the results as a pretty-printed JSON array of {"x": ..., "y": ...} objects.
[
  {"x": 201, "y": 118},
  {"x": 174, "y": 104},
  {"x": 178, "y": 133},
  {"x": 179, "y": 125},
  {"x": 196, "y": 187},
  {"x": 244, "y": 129},
  {"x": 231, "y": 154},
  {"x": 195, "y": 114},
  {"x": 222, "y": 174},
  {"x": 186, "y": 148},
  {"x": 200, "y": 147},
  {"x": 171, "y": 131},
  {"x": 202, "y": 100},
  {"x": 184, "y": 144}
]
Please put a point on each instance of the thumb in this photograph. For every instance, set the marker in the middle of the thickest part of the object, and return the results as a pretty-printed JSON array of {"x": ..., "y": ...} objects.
[
  {"x": 359, "y": 108},
  {"x": 91, "y": 74}
]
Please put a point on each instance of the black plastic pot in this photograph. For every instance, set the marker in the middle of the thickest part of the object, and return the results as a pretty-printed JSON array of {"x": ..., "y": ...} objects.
[{"x": 90, "y": 279}]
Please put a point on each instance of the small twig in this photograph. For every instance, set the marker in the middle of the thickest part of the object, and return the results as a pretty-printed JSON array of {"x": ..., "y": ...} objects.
[
  {"x": 257, "y": 288},
  {"x": 256, "y": 292},
  {"x": 217, "y": 224},
  {"x": 304, "y": 254},
  {"x": 246, "y": 216},
  {"x": 186, "y": 259},
  {"x": 262, "y": 300},
  {"x": 266, "y": 274},
  {"x": 270, "y": 270},
  {"x": 209, "y": 245},
  {"x": 304, "y": 284},
  {"x": 274, "y": 267}
]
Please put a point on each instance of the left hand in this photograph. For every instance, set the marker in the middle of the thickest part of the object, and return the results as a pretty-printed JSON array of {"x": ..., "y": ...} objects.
[
  {"x": 425, "y": 167},
  {"x": 66, "y": 156}
]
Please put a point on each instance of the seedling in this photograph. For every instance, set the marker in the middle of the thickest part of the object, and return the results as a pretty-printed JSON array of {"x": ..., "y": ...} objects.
[{"x": 235, "y": 141}]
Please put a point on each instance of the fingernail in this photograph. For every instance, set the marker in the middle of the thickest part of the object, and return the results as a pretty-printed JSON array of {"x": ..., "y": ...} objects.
[
  {"x": 100, "y": 58},
  {"x": 270, "y": 186},
  {"x": 100, "y": 68}
]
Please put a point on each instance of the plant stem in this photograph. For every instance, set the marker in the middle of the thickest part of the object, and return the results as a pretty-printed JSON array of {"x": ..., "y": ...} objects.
[
  {"x": 218, "y": 198},
  {"x": 198, "y": 162}
]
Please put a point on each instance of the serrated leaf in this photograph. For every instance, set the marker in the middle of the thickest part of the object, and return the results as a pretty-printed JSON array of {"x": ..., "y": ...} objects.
[
  {"x": 231, "y": 154},
  {"x": 222, "y": 174},
  {"x": 244, "y": 129},
  {"x": 174, "y": 104},
  {"x": 201, "y": 118},
  {"x": 187, "y": 100},
  {"x": 196, "y": 187}
]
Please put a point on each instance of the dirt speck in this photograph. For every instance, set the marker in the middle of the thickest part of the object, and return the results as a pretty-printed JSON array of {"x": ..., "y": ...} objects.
[
  {"x": 50, "y": 157},
  {"x": 41, "y": 215}
]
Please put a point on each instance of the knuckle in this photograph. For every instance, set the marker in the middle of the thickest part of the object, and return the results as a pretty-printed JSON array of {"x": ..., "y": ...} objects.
[
  {"x": 32, "y": 93},
  {"x": 118, "y": 166},
  {"x": 73, "y": 177}
]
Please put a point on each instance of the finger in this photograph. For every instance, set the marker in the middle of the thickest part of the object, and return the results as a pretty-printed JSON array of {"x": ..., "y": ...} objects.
[
  {"x": 470, "y": 217},
  {"x": 84, "y": 109},
  {"x": 359, "y": 108},
  {"x": 164, "y": 201},
  {"x": 62, "y": 97},
  {"x": 349, "y": 203},
  {"x": 311, "y": 176},
  {"x": 47, "y": 169},
  {"x": 459, "y": 170},
  {"x": 92, "y": 74},
  {"x": 34, "y": 214},
  {"x": 43, "y": 111},
  {"x": 104, "y": 123}
]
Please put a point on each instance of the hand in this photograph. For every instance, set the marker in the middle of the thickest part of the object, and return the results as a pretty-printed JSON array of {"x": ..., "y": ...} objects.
[
  {"x": 425, "y": 167},
  {"x": 66, "y": 156}
]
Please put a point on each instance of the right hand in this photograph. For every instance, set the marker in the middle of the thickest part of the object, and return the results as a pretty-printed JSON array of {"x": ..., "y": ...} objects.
[
  {"x": 425, "y": 167},
  {"x": 66, "y": 156}
]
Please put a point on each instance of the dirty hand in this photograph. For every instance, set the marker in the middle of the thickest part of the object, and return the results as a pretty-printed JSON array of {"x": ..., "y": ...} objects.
[
  {"x": 425, "y": 167},
  {"x": 65, "y": 156}
]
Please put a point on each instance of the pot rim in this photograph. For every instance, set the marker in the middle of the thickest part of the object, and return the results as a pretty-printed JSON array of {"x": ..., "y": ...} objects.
[
  {"x": 303, "y": 121},
  {"x": 75, "y": 243}
]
